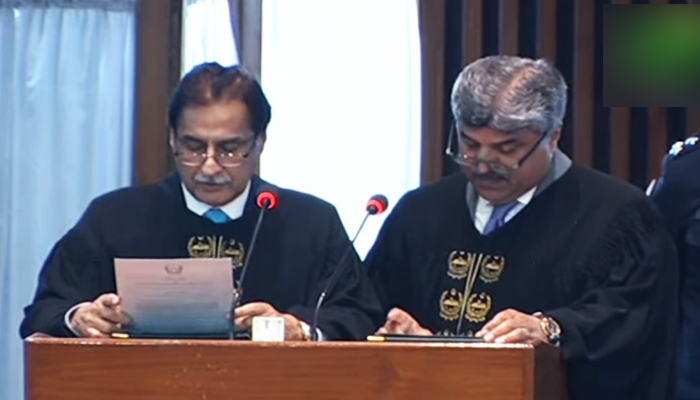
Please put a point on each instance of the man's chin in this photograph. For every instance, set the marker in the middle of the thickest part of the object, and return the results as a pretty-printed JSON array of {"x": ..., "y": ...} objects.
[
  {"x": 214, "y": 195},
  {"x": 494, "y": 191}
]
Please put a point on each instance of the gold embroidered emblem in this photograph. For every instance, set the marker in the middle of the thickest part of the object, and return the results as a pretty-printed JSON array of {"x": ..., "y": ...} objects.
[
  {"x": 459, "y": 264},
  {"x": 234, "y": 249},
  {"x": 450, "y": 304},
  {"x": 201, "y": 247},
  {"x": 478, "y": 307},
  {"x": 491, "y": 268}
]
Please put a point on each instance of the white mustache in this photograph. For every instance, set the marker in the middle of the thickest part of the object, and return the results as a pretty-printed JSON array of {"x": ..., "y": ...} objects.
[{"x": 212, "y": 179}]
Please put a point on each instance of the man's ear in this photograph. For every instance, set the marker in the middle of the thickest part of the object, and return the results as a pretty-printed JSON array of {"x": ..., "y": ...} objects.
[
  {"x": 554, "y": 140},
  {"x": 262, "y": 138},
  {"x": 171, "y": 139}
]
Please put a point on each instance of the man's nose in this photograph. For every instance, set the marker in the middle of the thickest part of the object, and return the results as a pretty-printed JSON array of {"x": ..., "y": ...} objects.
[{"x": 210, "y": 165}]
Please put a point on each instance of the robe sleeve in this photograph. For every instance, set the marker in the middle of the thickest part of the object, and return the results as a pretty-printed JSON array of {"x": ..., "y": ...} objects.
[
  {"x": 351, "y": 305},
  {"x": 620, "y": 324},
  {"x": 69, "y": 276}
]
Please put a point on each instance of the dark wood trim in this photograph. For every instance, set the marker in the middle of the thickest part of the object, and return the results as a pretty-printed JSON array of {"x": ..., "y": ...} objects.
[
  {"x": 620, "y": 142},
  {"x": 246, "y": 21},
  {"x": 175, "y": 72},
  {"x": 158, "y": 53},
  {"x": 693, "y": 118},
  {"x": 583, "y": 81},
  {"x": 658, "y": 139},
  {"x": 547, "y": 30},
  {"x": 508, "y": 26},
  {"x": 472, "y": 37},
  {"x": 620, "y": 163},
  {"x": 175, "y": 43},
  {"x": 432, "y": 34}
]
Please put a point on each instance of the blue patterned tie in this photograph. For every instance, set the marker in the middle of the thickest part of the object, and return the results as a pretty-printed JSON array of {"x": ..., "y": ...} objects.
[
  {"x": 498, "y": 217},
  {"x": 217, "y": 216}
]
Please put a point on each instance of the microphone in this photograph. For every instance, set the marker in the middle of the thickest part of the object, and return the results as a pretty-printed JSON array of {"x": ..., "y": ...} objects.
[
  {"x": 267, "y": 200},
  {"x": 377, "y": 204}
]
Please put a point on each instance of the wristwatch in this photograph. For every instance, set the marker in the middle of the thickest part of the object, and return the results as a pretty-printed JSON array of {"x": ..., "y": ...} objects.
[
  {"x": 305, "y": 331},
  {"x": 550, "y": 328}
]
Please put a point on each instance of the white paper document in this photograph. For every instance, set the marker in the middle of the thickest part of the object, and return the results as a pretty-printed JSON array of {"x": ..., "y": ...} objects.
[{"x": 176, "y": 297}]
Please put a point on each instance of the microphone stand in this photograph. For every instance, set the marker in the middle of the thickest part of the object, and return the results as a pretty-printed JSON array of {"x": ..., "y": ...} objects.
[
  {"x": 331, "y": 281},
  {"x": 238, "y": 291}
]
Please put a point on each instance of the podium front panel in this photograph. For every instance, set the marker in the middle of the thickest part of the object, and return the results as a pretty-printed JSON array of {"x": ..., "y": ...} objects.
[{"x": 132, "y": 369}]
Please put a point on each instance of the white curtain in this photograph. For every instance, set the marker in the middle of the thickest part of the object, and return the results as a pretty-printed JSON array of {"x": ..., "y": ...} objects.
[
  {"x": 343, "y": 78},
  {"x": 207, "y": 34},
  {"x": 66, "y": 110}
]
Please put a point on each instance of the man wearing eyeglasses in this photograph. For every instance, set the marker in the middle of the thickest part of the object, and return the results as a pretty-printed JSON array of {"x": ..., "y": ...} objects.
[
  {"x": 526, "y": 246},
  {"x": 218, "y": 119}
]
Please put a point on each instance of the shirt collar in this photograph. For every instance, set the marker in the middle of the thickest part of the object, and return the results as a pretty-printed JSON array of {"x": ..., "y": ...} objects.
[
  {"x": 234, "y": 209},
  {"x": 524, "y": 200}
]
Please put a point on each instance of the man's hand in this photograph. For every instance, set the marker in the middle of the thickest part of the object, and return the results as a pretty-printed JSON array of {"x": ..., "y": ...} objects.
[
  {"x": 512, "y": 326},
  {"x": 100, "y": 318},
  {"x": 246, "y": 312},
  {"x": 400, "y": 322}
]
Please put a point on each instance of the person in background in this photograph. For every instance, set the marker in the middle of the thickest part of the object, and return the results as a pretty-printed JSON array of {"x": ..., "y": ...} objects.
[{"x": 678, "y": 197}]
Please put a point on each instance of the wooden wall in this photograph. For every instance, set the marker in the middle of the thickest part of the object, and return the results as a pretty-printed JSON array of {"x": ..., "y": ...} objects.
[
  {"x": 627, "y": 142},
  {"x": 158, "y": 60}
]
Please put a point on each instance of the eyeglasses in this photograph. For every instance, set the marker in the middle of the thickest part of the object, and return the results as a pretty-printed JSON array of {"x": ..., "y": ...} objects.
[
  {"x": 226, "y": 158},
  {"x": 496, "y": 167}
]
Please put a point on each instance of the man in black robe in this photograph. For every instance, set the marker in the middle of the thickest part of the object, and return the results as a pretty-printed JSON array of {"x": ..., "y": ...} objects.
[
  {"x": 678, "y": 196},
  {"x": 218, "y": 118},
  {"x": 527, "y": 247}
]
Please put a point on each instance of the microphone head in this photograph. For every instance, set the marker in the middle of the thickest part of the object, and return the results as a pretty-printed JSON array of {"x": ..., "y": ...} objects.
[
  {"x": 377, "y": 204},
  {"x": 267, "y": 197}
]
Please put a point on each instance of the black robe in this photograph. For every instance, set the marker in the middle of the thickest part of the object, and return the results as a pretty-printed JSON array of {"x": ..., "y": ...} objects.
[
  {"x": 589, "y": 251},
  {"x": 299, "y": 245}
]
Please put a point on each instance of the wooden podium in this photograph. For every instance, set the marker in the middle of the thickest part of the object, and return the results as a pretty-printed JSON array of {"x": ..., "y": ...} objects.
[{"x": 132, "y": 369}]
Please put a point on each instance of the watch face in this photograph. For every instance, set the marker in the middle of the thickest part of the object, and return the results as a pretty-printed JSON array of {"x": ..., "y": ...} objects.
[{"x": 552, "y": 328}]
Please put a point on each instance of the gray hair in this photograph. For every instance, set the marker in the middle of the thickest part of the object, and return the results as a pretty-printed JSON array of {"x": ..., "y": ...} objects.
[{"x": 510, "y": 94}]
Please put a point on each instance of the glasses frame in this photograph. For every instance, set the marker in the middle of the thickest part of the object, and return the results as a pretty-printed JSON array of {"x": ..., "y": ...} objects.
[
  {"x": 218, "y": 154},
  {"x": 494, "y": 165}
]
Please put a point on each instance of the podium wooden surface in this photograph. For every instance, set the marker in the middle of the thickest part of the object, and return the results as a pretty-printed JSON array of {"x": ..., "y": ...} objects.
[{"x": 133, "y": 369}]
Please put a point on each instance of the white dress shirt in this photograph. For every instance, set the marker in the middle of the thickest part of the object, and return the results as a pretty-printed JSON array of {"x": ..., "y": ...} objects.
[
  {"x": 234, "y": 208},
  {"x": 484, "y": 209}
]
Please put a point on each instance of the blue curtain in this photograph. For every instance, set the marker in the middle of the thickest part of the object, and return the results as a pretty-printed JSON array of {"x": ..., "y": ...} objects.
[{"x": 66, "y": 110}]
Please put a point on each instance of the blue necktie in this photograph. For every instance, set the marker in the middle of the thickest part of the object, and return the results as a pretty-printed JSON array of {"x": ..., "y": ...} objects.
[
  {"x": 498, "y": 217},
  {"x": 217, "y": 216}
]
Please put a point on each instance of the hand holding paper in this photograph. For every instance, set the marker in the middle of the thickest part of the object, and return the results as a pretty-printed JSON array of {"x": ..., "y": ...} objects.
[{"x": 101, "y": 317}]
